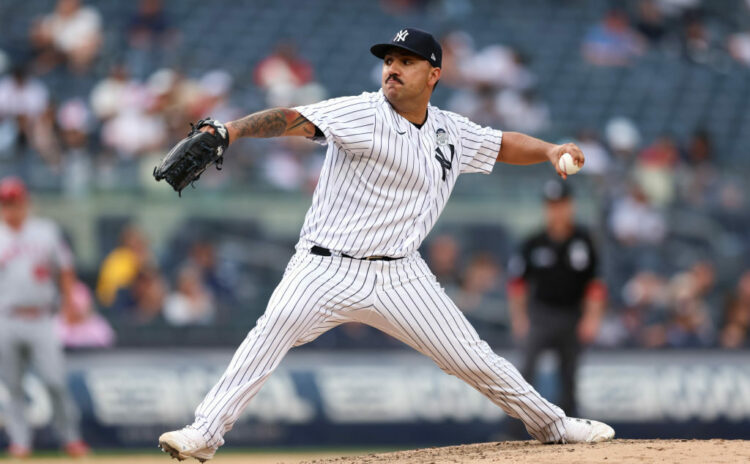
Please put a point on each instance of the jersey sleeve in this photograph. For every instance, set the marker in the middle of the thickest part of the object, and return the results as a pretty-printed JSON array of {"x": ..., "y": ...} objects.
[
  {"x": 479, "y": 145},
  {"x": 347, "y": 121}
]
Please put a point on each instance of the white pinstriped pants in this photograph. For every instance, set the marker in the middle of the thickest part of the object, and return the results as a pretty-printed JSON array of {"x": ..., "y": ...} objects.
[{"x": 403, "y": 299}]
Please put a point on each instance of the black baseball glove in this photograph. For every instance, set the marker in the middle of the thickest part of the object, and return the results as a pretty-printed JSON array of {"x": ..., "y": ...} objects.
[{"x": 188, "y": 159}]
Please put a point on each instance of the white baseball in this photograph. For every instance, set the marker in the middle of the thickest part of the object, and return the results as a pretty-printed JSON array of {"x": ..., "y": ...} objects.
[{"x": 567, "y": 165}]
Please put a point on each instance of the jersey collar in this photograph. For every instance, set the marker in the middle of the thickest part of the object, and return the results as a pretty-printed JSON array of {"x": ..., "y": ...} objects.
[{"x": 400, "y": 123}]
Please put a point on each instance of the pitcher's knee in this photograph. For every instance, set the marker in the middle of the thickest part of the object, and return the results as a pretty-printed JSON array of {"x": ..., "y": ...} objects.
[
  {"x": 471, "y": 370},
  {"x": 483, "y": 351},
  {"x": 307, "y": 338},
  {"x": 480, "y": 362}
]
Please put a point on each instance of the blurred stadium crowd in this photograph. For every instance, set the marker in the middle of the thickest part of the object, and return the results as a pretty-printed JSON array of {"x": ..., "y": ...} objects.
[{"x": 656, "y": 92}]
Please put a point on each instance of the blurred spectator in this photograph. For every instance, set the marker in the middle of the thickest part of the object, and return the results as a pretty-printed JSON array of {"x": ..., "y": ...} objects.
[
  {"x": 283, "y": 66},
  {"x": 71, "y": 32},
  {"x": 699, "y": 181},
  {"x": 495, "y": 86},
  {"x": 215, "y": 101},
  {"x": 191, "y": 303},
  {"x": 675, "y": 8},
  {"x": 612, "y": 42},
  {"x": 121, "y": 266},
  {"x": 634, "y": 221},
  {"x": 287, "y": 78},
  {"x": 670, "y": 312},
  {"x": 699, "y": 150},
  {"x": 81, "y": 326},
  {"x": 690, "y": 323},
  {"x": 639, "y": 230},
  {"x": 522, "y": 111},
  {"x": 23, "y": 101},
  {"x": 443, "y": 257},
  {"x": 138, "y": 126},
  {"x": 656, "y": 170},
  {"x": 74, "y": 121},
  {"x": 132, "y": 133},
  {"x": 645, "y": 288},
  {"x": 142, "y": 302},
  {"x": 597, "y": 156},
  {"x": 646, "y": 298},
  {"x": 651, "y": 22},
  {"x": 175, "y": 101},
  {"x": 478, "y": 103},
  {"x": 45, "y": 137},
  {"x": 734, "y": 333},
  {"x": 622, "y": 136},
  {"x": 738, "y": 45},
  {"x": 115, "y": 93},
  {"x": 697, "y": 42},
  {"x": 458, "y": 51},
  {"x": 222, "y": 284},
  {"x": 291, "y": 166},
  {"x": 480, "y": 294},
  {"x": 623, "y": 139},
  {"x": 499, "y": 67},
  {"x": 150, "y": 37},
  {"x": 730, "y": 208}
]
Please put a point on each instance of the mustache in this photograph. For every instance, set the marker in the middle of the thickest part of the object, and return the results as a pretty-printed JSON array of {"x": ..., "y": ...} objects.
[{"x": 393, "y": 76}]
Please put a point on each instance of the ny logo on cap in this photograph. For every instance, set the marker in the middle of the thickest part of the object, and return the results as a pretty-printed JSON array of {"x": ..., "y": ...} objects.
[{"x": 401, "y": 35}]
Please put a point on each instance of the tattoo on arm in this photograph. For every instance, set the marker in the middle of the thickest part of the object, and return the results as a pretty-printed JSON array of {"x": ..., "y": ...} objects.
[
  {"x": 303, "y": 124},
  {"x": 274, "y": 123}
]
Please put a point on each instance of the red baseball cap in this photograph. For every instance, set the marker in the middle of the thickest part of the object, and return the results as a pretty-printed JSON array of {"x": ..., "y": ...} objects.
[{"x": 12, "y": 189}]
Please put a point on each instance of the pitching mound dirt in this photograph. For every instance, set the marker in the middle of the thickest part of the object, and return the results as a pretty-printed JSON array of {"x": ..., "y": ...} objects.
[{"x": 519, "y": 452}]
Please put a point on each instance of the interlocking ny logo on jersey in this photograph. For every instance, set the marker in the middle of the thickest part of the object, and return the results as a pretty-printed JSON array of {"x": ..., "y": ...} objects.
[
  {"x": 401, "y": 35},
  {"x": 445, "y": 165}
]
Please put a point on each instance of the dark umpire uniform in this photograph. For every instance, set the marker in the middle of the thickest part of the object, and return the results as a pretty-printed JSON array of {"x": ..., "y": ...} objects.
[{"x": 556, "y": 301}]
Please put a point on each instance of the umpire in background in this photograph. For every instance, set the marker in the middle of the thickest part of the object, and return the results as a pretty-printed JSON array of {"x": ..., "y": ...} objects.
[{"x": 556, "y": 300}]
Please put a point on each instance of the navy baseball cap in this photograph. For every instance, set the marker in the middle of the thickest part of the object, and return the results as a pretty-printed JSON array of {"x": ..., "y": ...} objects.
[
  {"x": 556, "y": 190},
  {"x": 416, "y": 41}
]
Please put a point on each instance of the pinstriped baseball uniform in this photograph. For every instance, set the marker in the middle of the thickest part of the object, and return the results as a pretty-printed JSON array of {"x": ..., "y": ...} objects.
[
  {"x": 29, "y": 261},
  {"x": 382, "y": 187}
]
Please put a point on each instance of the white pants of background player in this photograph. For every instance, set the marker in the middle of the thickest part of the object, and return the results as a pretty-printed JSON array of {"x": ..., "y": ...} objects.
[
  {"x": 403, "y": 299},
  {"x": 26, "y": 343}
]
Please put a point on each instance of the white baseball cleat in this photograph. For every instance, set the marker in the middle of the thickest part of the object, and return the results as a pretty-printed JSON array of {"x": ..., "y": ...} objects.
[
  {"x": 186, "y": 443},
  {"x": 586, "y": 431}
]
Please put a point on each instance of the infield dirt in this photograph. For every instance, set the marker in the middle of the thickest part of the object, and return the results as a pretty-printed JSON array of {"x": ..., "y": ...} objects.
[
  {"x": 517, "y": 452},
  {"x": 522, "y": 452}
]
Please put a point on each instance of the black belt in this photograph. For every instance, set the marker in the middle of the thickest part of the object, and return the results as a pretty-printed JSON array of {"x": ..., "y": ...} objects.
[{"x": 320, "y": 251}]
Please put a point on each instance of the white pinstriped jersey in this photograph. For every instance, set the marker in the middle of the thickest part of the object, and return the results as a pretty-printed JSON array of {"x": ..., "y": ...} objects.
[
  {"x": 383, "y": 185},
  {"x": 384, "y": 181},
  {"x": 29, "y": 261}
]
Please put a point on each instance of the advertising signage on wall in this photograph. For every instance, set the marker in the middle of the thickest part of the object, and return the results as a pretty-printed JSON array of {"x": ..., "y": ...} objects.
[{"x": 127, "y": 399}]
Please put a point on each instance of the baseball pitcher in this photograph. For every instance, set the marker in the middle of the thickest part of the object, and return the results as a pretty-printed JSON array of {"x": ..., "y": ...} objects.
[{"x": 391, "y": 164}]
